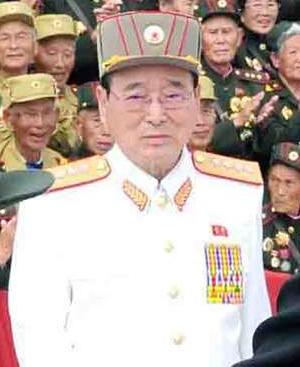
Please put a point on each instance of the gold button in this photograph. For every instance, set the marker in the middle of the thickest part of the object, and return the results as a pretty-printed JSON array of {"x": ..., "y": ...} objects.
[
  {"x": 161, "y": 201},
  {"x": 291, "y": 229},
  {"x": 178, "y": 339},
  {"x": 174, "y": 292},
  {"x": 168, "y": 246}
]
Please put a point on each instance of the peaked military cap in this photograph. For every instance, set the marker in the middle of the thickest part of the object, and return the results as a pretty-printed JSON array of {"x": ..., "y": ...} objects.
[
  {"x": 29, "y": 87},
  {"x": 16, "y": 10},
  {"x": 86, "y": 95},
  {"x": 145, "y": 38},
  {"x": 50, "y": 25},
  {"x": 213, "y": 8},
  {"x": 207, "y": 88},
  {"x": 286, "y": 153},
  {"x": 280, "y": 32},
  {"x": 20, "y": 185}
]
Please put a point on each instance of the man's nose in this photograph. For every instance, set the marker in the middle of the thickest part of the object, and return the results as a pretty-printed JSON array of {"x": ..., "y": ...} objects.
[{"x": 156, "y": 113}]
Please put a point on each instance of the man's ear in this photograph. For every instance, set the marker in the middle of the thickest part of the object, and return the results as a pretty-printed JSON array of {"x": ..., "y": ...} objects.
[
  {"x": 102, "y": 98},
  {"x": 275, "y": 59},
  {"x": 79, "y": 125},
  {"x": 241, "y": 34},
  {"x": 8, "y": 118}
]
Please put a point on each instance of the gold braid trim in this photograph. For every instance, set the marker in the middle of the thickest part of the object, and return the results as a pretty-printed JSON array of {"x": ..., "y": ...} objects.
[
  {"x": 139, "y": 198},
  {"x": 183, "y": 194}
]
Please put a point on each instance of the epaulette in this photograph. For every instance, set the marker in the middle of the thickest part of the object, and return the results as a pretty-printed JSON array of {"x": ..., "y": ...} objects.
[
  {"x": 79, "y": 172},
  {"x": 268, "y": 214},
  {"x": 227, "y": 167},
  {"x": 273, "y": 86},
  {"x": 252, "y": 75}
]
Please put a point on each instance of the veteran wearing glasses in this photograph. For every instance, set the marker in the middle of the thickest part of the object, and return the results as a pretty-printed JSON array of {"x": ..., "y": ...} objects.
[{"x": 165, "y": 266}]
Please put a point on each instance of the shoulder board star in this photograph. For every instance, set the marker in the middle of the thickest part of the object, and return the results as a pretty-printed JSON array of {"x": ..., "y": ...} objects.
[
  {"x": 252, "y": 75},
  {"x": 227, "y": 167},
  {"x": 80, "y": 172}
]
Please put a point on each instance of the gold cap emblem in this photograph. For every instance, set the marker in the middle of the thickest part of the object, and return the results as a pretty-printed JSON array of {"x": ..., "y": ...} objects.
[{"x": 154, "y": 34}]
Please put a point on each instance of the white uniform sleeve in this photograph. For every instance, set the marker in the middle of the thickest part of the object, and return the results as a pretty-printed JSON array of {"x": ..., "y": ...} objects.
[
  {"x": 39, "y": 294},
  {"x": 257, "y": 306}
]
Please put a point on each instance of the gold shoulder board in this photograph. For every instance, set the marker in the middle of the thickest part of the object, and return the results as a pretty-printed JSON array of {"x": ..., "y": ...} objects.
[
  {"x": 79, "y": 172},
  {"x": 227, "y": 167}
]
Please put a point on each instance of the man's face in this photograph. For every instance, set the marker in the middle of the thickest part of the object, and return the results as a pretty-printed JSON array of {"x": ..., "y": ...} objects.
[
  {"x": 180, "y": 6},
  {"x": 33, "y": 123},
  {"x": 287, "y": 60},
  {"x": 284, "y": 188},
  {"x": 260, "y": 15},
  {"x": 17, "y": 47},
  {"x": 151, "y": 112},
  {"x": 93, "y": 132},
  {"x": 56, "y": 56},
  {"x": 221, "y": 39},
  {"x": 203, "y": 132}
]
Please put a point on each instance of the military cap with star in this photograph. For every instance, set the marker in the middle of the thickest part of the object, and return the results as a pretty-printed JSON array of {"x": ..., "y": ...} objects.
[
  {"x": 279, "y": 32},
  {"x": 29, "y": 87},
  {"x": 86, "y": 95},
  {"x": 286, "y": 153},
  {"x": 53, "y": 25},
  {"x": 213, "y": 8},
  {"x": 16, "y": 11},
  {"x": 148, "y": 38}
]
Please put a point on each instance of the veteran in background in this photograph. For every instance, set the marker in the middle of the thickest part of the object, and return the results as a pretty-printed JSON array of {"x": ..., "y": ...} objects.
[
  {"x": 94, "y": 135},
  {"x": 281, "y": 213},
  {"x": 56, "y": 36},
  {"x": 32, "y": 112},
  {"x": 205, "y": 126},
  {"x": 138, "y": 273},
  {"x": 283, "y": 124},
  {"x": 258, "y": 18}
]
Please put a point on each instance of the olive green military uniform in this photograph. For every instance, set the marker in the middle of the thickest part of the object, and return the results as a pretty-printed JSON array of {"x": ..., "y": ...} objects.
[
  {"x": 86, "y": 99},
  {"x": 281, "y": 232},
  {"x": 13, "y": 160},
  {"x": 21, "y": 89},
  {"x": 65, "y": 138},
  {"x": 11, "y": 11}
]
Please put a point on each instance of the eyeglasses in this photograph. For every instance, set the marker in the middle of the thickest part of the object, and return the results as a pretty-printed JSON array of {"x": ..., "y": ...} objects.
[{"x": 170, "y": 101}]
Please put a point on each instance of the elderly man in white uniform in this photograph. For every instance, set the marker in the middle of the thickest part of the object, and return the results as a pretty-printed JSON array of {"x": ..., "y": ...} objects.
[{"x": 146, "y": 256}]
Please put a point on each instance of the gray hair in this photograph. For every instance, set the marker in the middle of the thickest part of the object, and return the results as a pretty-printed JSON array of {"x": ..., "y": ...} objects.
[{"x": 294, "y": 30}]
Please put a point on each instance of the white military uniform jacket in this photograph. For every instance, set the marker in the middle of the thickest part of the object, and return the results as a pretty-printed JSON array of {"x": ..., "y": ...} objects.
[{"x": 102, "y": 278}]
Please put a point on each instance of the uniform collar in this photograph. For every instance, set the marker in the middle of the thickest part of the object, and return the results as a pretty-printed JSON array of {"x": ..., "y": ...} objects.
[{"x": 170, "y": 185}]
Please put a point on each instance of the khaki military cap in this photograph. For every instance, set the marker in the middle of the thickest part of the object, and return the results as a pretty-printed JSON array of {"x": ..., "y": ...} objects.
[
  {"x": 286, "y": 153},
  {"x": 139, "y": 38},
  {"x": 51, "y": 25},
  {"x": 30, "y": 87},
  {"x": 16, "y": 10},
  {"x": 207, "y": 88}
]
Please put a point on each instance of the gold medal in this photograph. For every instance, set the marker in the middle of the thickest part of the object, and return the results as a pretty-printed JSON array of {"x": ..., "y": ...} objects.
[{"x": 268, "y": 244}]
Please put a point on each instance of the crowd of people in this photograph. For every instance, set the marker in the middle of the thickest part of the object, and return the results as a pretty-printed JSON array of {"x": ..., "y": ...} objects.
[{"x": 54, "y": 114}]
